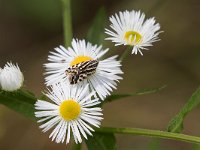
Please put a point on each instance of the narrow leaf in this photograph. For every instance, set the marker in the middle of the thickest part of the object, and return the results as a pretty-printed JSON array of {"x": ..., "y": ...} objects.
[
  {"x": 20, "y": 101},
  {"x": 96, "y": 32},
  {"x": 176, "y": 124},
  {"x": 137, "y": 93},
  {"x": 101, "y": 141}
]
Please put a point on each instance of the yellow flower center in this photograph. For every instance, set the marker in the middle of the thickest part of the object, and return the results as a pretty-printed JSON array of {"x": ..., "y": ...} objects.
[
  {"x": 80, "y": 59},
  {"x": 132, "y": 37},
  {"x": 70, "y": 110}
]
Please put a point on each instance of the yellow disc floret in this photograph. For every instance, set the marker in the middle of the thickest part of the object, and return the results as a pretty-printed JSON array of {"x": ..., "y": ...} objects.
[
  {"x": 132, "y": 37},
  {"x": 80, "y": 59},
  {"x": 70, "y": 110}
]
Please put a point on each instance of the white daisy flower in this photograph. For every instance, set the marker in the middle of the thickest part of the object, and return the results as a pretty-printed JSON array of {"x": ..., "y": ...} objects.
[
  {"x": 81, "y": 64},
  {"x": 72, "y": 110},
  {"x": 11, "y": 78},
  {"x": 130, "y": 28}
]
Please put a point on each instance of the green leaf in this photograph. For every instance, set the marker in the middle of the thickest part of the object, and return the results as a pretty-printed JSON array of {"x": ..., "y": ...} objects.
[
  {"x": 176, "y": 124},
  {"x": 96, "y": 32},
  {"x": 101, "y": 141},
  {"x": 20, "y": 101},
  {"x": 137, "y": 93}
]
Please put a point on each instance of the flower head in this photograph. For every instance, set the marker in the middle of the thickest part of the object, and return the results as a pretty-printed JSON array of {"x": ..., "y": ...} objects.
[
  {"x": 11, "y": 78},
  {"x": 73, "y": 109},
  {"x": 81, "y": 64},
  {"x": 130, "y": 28}
]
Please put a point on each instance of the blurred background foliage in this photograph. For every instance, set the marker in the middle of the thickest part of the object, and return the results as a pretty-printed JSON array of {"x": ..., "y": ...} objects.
[{"x": 29, "y": 29}]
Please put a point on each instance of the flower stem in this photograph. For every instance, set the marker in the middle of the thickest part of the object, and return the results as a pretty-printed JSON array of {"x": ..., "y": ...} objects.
[
  {"x": 151, "y": 133},
  {"x": 67, "y": 22},
  {"x": 76, "y": 146},
  {"x": 125, "y": 53}
]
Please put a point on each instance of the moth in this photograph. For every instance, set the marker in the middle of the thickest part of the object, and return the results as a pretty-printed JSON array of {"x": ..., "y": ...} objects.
[{"x": 81, "y": 71}]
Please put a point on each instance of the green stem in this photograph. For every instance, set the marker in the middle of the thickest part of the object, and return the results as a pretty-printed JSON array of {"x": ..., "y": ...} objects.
[
  {"x": 67, "y": 22},
  {"x": 76, "y": 146},
  {"x": 125, "y": 53},
  {"x": 151, "y": 133}
]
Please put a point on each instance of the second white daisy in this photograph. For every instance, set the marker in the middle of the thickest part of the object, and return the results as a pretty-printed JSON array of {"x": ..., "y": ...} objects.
[
  {"x": 81, "y": 64},
  {"x": 72, "y": 109},
  {"x": 130, "y": 28}
]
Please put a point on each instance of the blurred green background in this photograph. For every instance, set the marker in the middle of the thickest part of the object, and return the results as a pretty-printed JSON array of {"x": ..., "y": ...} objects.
[{"x": 29, "y": 29}]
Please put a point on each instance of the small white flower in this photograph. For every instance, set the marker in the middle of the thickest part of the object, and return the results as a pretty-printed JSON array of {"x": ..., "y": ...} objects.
[
  {"x": 81, "y": 64},
  {"x": 130, "y": 28},
  {"x": 72, "y": 109},
  {"x": 11, "y": 78}
]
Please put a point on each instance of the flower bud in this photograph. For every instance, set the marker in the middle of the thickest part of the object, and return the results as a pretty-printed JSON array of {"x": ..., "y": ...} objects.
[{"x": 11, "y": 77}]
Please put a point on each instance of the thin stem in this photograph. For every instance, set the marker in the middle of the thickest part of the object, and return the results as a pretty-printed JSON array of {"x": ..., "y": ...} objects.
[
  {"x": 151, "y": 133},
  {"x": 67, "y": 22},
  {"x": 125, "y": 53},
  {"x": 76, "y": 146}
]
